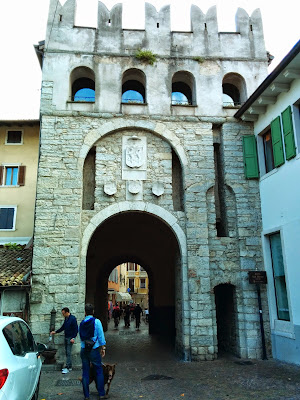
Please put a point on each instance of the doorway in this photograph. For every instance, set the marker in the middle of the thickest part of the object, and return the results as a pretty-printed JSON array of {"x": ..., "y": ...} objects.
[
  {"x": 144, "y": 239},
  {"x": 226, "y": 313}
]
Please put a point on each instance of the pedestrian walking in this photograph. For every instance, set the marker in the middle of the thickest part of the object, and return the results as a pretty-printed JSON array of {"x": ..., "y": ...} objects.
[
  {"x": 137, "y": 313},
  {"x": 116, "y": 315},
  {"x": 127, "y": 316},
  {"x": 147, "y": 315},
  {"x": 92, "y": 351},
  {"x": 70, "y": 328}
]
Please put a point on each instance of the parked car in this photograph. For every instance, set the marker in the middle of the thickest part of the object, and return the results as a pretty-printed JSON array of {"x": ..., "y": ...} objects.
[{"x": 20, "y": 362}]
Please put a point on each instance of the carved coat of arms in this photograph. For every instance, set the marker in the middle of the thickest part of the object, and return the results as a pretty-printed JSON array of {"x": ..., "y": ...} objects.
[{"x": 134, "y": 156}]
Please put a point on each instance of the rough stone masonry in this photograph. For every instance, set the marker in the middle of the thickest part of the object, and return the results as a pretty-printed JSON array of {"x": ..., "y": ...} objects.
[{"x": 178, "y": 162}]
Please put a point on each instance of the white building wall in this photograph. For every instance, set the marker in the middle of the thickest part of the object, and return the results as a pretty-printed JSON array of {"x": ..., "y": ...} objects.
[{"x": 280, "y": 199}]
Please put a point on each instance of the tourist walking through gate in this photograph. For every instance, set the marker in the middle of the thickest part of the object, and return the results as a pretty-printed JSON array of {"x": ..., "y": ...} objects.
[
  {"x": 92, "y": 340},
  {"x": 116, "y": 315},
  {"x": 127, "y": 316},
  {"x": 70, "y": 328},
  {"x": 137, "y": 313}
]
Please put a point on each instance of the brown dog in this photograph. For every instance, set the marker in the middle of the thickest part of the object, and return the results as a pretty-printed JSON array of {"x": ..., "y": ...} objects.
[{"x": 108, "y": 372}]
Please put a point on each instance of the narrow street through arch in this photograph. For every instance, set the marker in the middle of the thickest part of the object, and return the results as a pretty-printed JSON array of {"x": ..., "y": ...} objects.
[{"x": 144, "y": 239}]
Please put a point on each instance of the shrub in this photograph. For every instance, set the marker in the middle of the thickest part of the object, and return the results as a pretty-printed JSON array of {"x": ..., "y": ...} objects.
[{"x": 146, "y": 56}]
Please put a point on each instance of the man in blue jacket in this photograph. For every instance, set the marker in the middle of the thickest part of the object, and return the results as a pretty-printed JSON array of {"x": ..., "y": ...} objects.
[
  {"x": 92, "y": 349},
  {"x": 71, "y": 329}
]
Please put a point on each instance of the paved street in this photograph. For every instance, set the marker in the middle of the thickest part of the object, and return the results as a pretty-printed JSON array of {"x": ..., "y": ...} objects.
[{"x": 147, "y": 369}]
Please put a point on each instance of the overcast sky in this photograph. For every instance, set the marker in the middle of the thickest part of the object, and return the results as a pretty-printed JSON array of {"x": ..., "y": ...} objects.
[{"x": 23, "y": 24}]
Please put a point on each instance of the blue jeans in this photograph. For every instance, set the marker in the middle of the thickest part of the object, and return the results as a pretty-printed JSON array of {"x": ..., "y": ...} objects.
[
  {"x": 68, "y": 348},
  {"x": 93, "y": 357}
]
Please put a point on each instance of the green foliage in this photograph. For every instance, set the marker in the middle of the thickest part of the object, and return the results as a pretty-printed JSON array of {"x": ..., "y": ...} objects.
[
  {"x": 13, "y": 246},
  {"x": 146, "y": 56},
  {"x": 198, "y": 59}
]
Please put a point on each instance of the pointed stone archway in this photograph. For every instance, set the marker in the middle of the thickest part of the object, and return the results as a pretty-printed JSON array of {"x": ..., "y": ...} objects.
[{"x": 149, "y": 235}]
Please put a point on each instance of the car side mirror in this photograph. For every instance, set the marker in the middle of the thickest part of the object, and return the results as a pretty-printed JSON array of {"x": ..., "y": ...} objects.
[{"x": 41, "y": 347}]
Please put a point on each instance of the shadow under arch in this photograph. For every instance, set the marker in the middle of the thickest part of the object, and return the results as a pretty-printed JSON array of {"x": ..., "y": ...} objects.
[{"x": 149, "y": 235}]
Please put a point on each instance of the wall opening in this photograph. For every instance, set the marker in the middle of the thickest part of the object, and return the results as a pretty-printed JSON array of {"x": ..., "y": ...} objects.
[
  {"x": 143, "y": 239},
  {"x": 226, "y": 313},
  {"x": 133, "y": 87},
  {"x": 183, "y": 89},
  {"x": 177, "y": 183},
  {"x": 82, "y": 83},
  {"x": 234, "y": 90},
  {"x": 220, "y": 203},
  {"x": 88, "y": 197}
]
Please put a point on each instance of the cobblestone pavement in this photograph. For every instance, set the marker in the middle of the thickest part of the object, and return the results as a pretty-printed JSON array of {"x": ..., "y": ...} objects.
[{"x": 147, "y": 369}]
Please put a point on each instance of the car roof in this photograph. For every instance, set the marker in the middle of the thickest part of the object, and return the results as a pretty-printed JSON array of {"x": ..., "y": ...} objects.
[{"x": 5, "y": 320}]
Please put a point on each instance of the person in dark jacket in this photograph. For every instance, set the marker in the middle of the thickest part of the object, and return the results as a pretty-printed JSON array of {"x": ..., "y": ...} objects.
[
  {"x": 116, "y": 315},
  {"x": 70, "y": 328},
  {"x": 137, "y": 313}
]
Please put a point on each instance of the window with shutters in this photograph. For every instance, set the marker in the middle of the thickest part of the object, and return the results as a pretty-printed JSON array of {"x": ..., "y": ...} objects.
[
  {"x": 250, "y": 157},
  {"x": 268, "y": 151},
  {"x": 14, "y": 137},
  {"x": 279, "y": 277},
  {"x": 131, "y": 266},
  {"x": 12, "y": 175},
  {"x": 288, "y": 133},
  {"x": 143, "y": 283},
  {"x": 7, "y": 218},
  {"x": 296, "y": 118},
  {"x": 131, "y": 284}
]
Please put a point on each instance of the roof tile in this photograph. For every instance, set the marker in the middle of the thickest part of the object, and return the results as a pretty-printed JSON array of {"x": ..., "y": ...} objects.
[{"x": 14, "y": 265}]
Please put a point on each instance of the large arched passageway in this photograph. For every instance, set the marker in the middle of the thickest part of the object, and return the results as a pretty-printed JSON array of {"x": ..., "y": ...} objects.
[{"x": 144, "y": 239}]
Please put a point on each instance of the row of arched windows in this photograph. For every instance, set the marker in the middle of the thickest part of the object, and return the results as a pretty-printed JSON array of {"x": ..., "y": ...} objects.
[{"x": 134, "y": 84}]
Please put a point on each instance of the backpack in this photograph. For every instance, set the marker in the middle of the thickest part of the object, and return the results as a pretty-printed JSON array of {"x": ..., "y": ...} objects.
[{"x": 86, "y": 332}]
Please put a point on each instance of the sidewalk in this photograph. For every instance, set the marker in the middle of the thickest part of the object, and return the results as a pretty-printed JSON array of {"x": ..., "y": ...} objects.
[{"x": 147, "y": 369}]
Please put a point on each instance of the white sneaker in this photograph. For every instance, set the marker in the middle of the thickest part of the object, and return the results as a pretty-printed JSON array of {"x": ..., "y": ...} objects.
[{"x": 65, "y": 371}]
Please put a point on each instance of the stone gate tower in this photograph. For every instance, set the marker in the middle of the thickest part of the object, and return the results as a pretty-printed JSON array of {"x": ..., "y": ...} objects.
[{"x": 141, "y": 160}]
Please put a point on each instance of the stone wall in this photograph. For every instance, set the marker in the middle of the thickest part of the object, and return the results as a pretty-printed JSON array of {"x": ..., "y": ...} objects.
[{"x": 103, "y": 159}]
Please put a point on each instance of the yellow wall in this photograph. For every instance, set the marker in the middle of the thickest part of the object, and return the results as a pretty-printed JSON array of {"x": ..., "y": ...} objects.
[{"x": 23, "y": 196}]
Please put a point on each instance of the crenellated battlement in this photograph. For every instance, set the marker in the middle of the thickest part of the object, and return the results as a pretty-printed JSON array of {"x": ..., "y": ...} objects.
[{"x": 110, "y": 38}]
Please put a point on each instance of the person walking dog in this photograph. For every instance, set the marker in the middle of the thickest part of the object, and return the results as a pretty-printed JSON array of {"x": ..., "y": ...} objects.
[
  {"x": 92, "y": 340},
  {"x": 71, "y": 329}
]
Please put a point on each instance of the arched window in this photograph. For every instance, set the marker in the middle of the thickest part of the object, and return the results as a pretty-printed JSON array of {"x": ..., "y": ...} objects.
[
  {"x": 183, "y": 89},
  {"x": 234, "y": 90},
  {"x": 83, "y": 84},
  {"x": 133, "y": 87}
]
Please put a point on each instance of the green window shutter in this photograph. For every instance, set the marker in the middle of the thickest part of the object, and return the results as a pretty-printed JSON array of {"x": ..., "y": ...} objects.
[
  {"x": 250, "y": 157},
  {"x": 277, "y": 142},
  {"x": 288, "y": 133}
]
